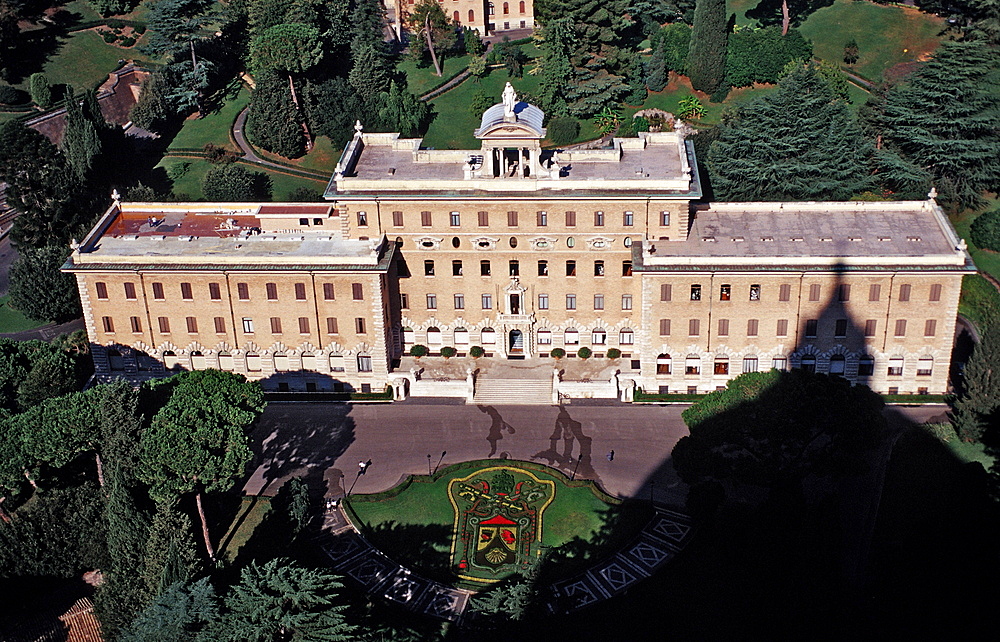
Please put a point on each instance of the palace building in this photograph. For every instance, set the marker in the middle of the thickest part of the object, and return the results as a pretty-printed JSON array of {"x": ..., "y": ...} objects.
[
  {"x": 522, "y": 250},
  {"x": 488, "y": 18}
]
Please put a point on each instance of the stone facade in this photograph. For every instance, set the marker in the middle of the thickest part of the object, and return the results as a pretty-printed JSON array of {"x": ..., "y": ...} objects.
[{"x": 488, "y": 18}]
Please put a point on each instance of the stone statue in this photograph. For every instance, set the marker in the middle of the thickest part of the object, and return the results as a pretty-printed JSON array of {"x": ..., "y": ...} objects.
[{"x": 509, "y": 100}]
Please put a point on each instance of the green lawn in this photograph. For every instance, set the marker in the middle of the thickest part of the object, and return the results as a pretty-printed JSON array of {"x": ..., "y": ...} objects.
[
  {"x": 213, "y": 128},
  {"x": 84, "y": 60},
  {"x": 252, "y": 512},
  {"x": 12, "y": 320},
  {"x": 986, "y": 260},
  {"x": 190, "y": 183},
  {"x": 420, "y": 80},
  {"x": 322, "y": 157}
]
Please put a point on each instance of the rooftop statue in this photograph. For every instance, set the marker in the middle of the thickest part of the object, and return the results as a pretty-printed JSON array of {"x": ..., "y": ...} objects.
[{"x": 509, "y": 100}]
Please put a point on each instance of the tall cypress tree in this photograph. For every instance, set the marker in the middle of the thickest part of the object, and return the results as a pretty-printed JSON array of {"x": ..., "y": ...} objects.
[
  {"x": 706, "y": 62},
  {"x": 656, "y": 80},
  {"x": 980, "y": 399},
  {"x": 799, "y": 143},
  {"x": 944, "y": 120}
]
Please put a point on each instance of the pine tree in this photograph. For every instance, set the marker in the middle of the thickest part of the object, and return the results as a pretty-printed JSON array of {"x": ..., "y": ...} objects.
[
  {"x": 81, "y": 143},
  {"x": 273, "y": 122},
  {"x": 975, "y": 410},
  {"x": 370, "y": 72},
  {"x": 799, "y": 143},
  {"x": 39, "y": 289},
  {"x": 944, "y": 120},
  {"x": 706, "y": 62},
  {"x": 657, "y": 78},
  {"x": 180, "y": 614}
]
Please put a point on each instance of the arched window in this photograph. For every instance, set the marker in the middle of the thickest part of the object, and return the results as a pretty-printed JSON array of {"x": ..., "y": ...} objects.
[
  {"x": 489, "y": 336},
  {"x": 117, "y": 362},
  {"x": 434, "y": 335},
  {"x": 506, "y": 8},
  {"x": 491, "y": 8},
  {"x": 925, "y": 366},
  {"x": 522, "y": 6},
  {"x": 308, "y": 361},
  {"x": 598, "y": 337},
  {"x": 197, "y": 360},
  {"x": 409, "y": 336},
  {"x": 750, "y": 363},
  {"x": 866, "y": 366},
  {"x": 808, "y": 363},
  {"x": 472, "y": 16},
  {"x": 838, "y": 364},
  {"x": 455, "y": 17},
  {"x": 461, "y": 337},
  {"x": 895, "y": 367},
  {"x": 721, "y": 365},
  {"x": 169, "y": 360},
  {"x": 626, "y": 337},
  {"x": 226, "y": 361},
  {"x": 253, "y": 362},
  {"x": 336, "y": 363},
  {"x": 545, "y": 337},
  {"x": 281, "y": 362},
  {"x": 692, "y": 365},
  {"x": 571, "y": 337},
  {"x": 663, "y": 364}
]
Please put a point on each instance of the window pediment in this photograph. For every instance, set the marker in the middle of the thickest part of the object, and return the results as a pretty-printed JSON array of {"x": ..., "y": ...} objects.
[
  {"x": 485, "y": 242},
  {"x": 599, "y": 243},
  {"x": 543, "y": 243},
  {"x": 428, "y": 242}
]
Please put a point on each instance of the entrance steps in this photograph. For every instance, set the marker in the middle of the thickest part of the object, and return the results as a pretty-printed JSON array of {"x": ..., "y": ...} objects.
[{"x": 513, "y": 392}]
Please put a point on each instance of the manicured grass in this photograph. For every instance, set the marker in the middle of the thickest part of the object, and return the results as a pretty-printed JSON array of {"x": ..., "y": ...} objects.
[
  {"x": 886, "y": 36},
  {"x": 679, "y": 87},
  {"x": 980, "y": 300},
  {"x": 84, "y": 60},
  {"x": 12, "y": 320},
  {"x": 190, "y": 183},
  {"x": 986, "y": 260},
  {"x": 322, "y": 157},
  {"x": 252, "y": 512},
  {"x": 213, "y": 128},
  {"x": 420, "y": 80}
]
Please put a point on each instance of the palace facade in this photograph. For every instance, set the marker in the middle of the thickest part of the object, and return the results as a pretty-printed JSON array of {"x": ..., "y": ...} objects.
[
  {"x": 522, "y": 250},
  {"x": 488, "y": 18}
]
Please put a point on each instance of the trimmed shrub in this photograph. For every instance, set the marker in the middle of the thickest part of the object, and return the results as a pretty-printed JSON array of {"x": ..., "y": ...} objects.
[
  {"x": 986, "y": 231},
  {"x": 558, "y": 353},
  {"x": 760, "y": 55},
  {"x": 418, "y": 351},
  {"x": 563, "y": 129},
  {"x": 12, "y": 95},
  {"x": 476, "y": 352},
  {"x": 584, "y": 353},
  {"x": 614, "y": 353},
  {"x": 127, "y": 42},
  {"x": 41, "y": 91},
  {"x": 139, "y": 28},
  {"x": 109, "y": 36},
  {"x": 448, "y": 352}
]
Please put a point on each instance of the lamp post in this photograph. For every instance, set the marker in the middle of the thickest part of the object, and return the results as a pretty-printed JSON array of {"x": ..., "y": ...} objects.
[
  {"x": 429, "y": 465},
  {"x": 443, "y": 453}
]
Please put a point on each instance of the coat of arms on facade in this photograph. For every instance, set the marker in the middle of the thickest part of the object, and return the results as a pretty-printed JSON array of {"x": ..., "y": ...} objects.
[{"x": 498, "y": 521}]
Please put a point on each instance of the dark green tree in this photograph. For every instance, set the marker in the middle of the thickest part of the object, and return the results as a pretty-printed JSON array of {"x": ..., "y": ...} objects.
[
  {"x": 41, "y": 91},
  {"x": 273, "y": 121},
  {"x": 985, "y": 230},
  {"x": 281, "y": 600},
  {"x": 944, "y": 120},
  {"x": 761, "y": 55},
  {"x": 170, "y": 554},
  {"x": 433, "y": 32},
  {"x": 332, "y": 107},
  {"x": 81, "y": 143},
  {"x": 10, "y": 14},
  {"x": 473, "y": 42},
  {"x": 174, "y": 26},
  {"x": 676, "y": 39},
  {"x": 39, "y": 289},
  {"x": 706, "y": 62},
  {"x": 197, "y": 442},
  {"x": 292, "y": 48},
  {"x": 57, "y": 430},
  {"x": 53, "y": 374},
  {"x": 13, "y": 463},
  {"x": 656, "y": 79},
  {"x": 509, "y": 602},
  {"x": 233, "y": 182},
  {"x": 371, "y": 71},
  {"x": 180, "y": 614},
  {"x": 851, "y": 52},
  {"x": 557, "y": 73},
  {"x": 798, "y": 143},
  {"x": 976, "y": 408},
  {"x": 400, "y": 111}
]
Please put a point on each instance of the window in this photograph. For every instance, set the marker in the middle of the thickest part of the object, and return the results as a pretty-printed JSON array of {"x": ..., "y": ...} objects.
[
  {"x": 721, "y": 366},
  {"x": 900, "y": 329},
  {"x": 570, "y": 268},
  {"x": 545, "y": 337},
  {"x": 838, "y": 365},
  {"x": 930, "y": 327},
  {"x": 570, "y": 301},
  {"x": 874, "y": 292},
  {"x": 808, "y": 363},
  {"x": 459, "y": 301},
  {"x": 102, "y": 289},
  {"x": 404, "y": 301},
  {"x": 328, "y": 293},
  {"x": 626, "y": 337},
  {"x": 542, "y": 219},
  {"x": 784, "y": 292},
  {"x": 925, "y": 366},
  {"x": 750, "y": 364},
  {"x": 456, "y": 242},
  {"x": 432, "y": 302},
  {"x": 300, "y": 291},
  {"x": 628, "y": 219},
  {"x": 724, "y": 292},
  {"x": 109, "y": 325},
  {"x": 782, "y": 329},
  {"x": 814, "y": 292},
  {"x": 570, "y": 242},
  {"x": 130, "y": 291},
  {"x": 696, "y": 292},
  {"x": 870, "y": 326},
  {"x": 192, "y": 325},
  {"x": 247, "y": 325},
  {"x": 571, "y": 337},
  {"x": 935, "y": 292},
  {"x": 664, "y": 327},
  {"x": 664, "y": 219},
  {"x": 303, "y": 325},
  {"x": 362, "y": 219},
  {"x": 723, "y": 327},
  {"x": 895, "y": 367},
  {"x": 136, "y": 324},
  {"x": 598, "y": 301},
  {"x": 599, "y": 219},
  {"x": 904, "y": 292},
  {"x": 364, "y": 363},
  {"x": 337, "y": 362},
  {"x": 665, "y": 291},
  {"x": 272, "y": 291},
  {"x": 598, "y": 268},
  {"x": 357, "y": 291},
  {"x": 752, "y": 326},
  {"x": 521, "y": 9},
  {"x": 461, "y": 336},
  {"x": 214, "y": 293},
  {"x": 428, "y": 267},
  {"x": 514, "y": 267},
  {"x": 456, "y": 268},
  {"x": 157, "y": 292},
  {"x": 511, "y": 219},
  {"x": 840, "y": 328},
  {"x": 487, "y": 301},
  {"x": 755, "y": 292},
  {"x": 253, "y": 362},
  {"x": 425, "y": 219},
  {"x": 434, "y": 335},
  {"x": 812, "y": 326},
  {"x": 506, "y": 8},
  {"x": 663, "y": 364},
  {"x": 243, "y": 291},
  {"x": 570, "y": 219},
  {"x": 543, "y": 268},
  {"x": 866, "y": 366},
  {"x": 455, "y": 218},
  {"x": 626, "y": 268},
  {"x": 844, "y": 292},
  {"x": 489, "y": 336},
  {"x": 359, "y": 325},
  {"x": 626, "y": 302},
  {"x": 543, "y": 301},
  {"x": 694, "y": 327},
  {"x": 692, "y": 365},
  {"x": 331, "y": 325},
  {"x": 484, "y": 219},
  {"x": 397, "y": 219},
  {"x": 275, "y": 325},
  {"x": 484, "y": 268},
  {"x": 220, "y": 325},
  {"x": 598, "y": 337},
  {"x": 779, "y": 363}
]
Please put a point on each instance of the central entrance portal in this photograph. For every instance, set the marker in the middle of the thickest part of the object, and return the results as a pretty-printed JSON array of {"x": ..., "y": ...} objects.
[{"x": 516, "y": 344}]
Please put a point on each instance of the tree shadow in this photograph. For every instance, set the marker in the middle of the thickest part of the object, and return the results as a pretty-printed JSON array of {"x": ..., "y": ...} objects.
[
  {"x": 424, "y": 548},
  {"x": 768, "y": 12}
]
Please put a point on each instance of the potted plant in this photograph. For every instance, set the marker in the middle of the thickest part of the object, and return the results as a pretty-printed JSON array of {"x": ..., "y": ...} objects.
[
  {"x": 418, "y": 351},
  {"x": 558, "y": 353},
  {"x": 584, "y": 353},
  {"x": 448, "y": 352},
  {"x": 614, "y": 353},
  {"x": 476, "y": 351}
]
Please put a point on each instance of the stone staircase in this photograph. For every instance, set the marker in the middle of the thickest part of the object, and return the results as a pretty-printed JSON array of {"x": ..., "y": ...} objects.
[{"x": 508, "y": 392}]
